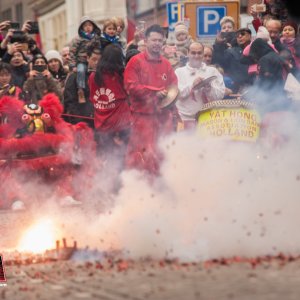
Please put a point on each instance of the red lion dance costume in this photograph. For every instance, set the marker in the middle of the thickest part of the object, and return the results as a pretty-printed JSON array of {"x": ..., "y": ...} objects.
[{"x": 38, "y": 147}]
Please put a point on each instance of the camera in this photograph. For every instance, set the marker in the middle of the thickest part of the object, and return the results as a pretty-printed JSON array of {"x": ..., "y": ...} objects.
[
  {"x": 14, "y": 25},
  {"x": 18, "y": 37},
  {"x": 34, "y": 27},
  {"x": 39, "y": 68},
  {"x": 228, "y": 36}
]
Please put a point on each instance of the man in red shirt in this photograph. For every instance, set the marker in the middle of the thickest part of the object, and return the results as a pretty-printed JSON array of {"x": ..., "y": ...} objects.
[{"x": 147, "y": 78}]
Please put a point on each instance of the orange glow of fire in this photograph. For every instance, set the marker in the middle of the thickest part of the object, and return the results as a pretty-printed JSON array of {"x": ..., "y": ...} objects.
[{"x": 38, "y": 238}]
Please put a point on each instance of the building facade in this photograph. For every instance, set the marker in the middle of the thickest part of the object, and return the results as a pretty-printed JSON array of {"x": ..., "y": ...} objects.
[
  {"x": 59, "y": 19},
  {"x": 16, "y": 10}
]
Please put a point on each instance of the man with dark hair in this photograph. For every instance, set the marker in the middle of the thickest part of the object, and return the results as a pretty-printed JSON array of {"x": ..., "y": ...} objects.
[
  {"x": 154, "y": 28},
  {"x": 147, "y": 78}
]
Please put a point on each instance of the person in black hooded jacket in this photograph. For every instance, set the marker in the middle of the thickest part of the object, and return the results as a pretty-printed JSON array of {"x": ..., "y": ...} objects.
[
  {"x": 268, "y": 88},
  {"x": 270, "y": 64}
]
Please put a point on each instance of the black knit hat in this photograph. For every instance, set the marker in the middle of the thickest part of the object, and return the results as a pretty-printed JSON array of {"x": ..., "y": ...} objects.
[{"x": 37, "y": 56}]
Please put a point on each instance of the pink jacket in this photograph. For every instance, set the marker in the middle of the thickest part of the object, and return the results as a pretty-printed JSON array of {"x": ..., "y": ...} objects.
[{"x": 253, "y": 68}]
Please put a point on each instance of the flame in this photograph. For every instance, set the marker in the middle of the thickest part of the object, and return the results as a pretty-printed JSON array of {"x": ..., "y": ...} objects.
[{"x": 38, "y": 238}]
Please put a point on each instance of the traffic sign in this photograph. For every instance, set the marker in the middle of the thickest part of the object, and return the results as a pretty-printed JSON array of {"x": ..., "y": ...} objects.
[
  {"x": 208, "y": 20},
  {"x": 205, "y": 16},
  {"x": 173, "y": 11}
]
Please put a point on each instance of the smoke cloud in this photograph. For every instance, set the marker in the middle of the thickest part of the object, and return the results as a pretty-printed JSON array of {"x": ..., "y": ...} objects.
[{"x": 214, "y": 198}]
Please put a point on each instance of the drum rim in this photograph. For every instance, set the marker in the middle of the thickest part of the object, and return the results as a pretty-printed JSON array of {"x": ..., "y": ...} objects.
[{"x": 230, "y": 103}]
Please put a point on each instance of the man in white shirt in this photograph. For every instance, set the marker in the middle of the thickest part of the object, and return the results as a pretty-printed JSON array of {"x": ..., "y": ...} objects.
[{"x": 193, "y": 94}]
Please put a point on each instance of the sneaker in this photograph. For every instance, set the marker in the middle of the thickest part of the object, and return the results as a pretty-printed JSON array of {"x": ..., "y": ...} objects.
[
  {"x": 18, "y": 205},
  {"x": 69, "y": 201}
]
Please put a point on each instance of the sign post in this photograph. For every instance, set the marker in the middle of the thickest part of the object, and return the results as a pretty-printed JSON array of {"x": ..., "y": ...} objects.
[{"x": 205, "y": 17}]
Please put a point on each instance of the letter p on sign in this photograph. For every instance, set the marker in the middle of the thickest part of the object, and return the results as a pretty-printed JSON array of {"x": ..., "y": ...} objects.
[{"x": 208, "y": 18}]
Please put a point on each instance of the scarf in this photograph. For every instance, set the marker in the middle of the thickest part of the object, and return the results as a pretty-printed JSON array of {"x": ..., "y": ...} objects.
[
  {"x": 7, "y": 90},
  {"x": 288, "y": 41},
  {"x": 87, "y": 36},
  {"x": 112, "y": 39}
]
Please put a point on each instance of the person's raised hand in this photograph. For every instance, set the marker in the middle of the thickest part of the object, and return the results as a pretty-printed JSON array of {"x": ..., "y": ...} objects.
[
  {"x": 12, "y": 48},
  {"x": 33, "y": 73},
  {"x": 26, "y": 27},
  {"x": 46, "y": 73},
  {"x": 219, "y": 38},
  {"x": 4, "y": 25}
]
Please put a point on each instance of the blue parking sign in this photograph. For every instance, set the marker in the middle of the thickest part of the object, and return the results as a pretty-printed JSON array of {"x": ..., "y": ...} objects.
[{"x": 208, "y": 20}]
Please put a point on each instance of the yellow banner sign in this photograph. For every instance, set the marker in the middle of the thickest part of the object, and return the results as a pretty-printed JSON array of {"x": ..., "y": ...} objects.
[{"x": 240, "y": 124}]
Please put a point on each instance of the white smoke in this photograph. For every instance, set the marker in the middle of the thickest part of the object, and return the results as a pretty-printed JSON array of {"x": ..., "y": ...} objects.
[{"x": 214, "y": 198}]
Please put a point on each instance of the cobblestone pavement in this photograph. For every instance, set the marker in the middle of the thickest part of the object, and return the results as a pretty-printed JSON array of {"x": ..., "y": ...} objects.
[
  {"x": 73, "y": 280},
  {"x": 145, "y": 280}
]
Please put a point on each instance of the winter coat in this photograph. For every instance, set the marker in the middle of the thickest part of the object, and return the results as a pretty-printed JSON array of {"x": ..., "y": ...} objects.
[
  {"x": 233, "y": 67},
  {"x": 270, "y": 64},
  {"x": 106, "y": 40},
  {"x": 79, "y": 45},
  {"x": 71, "y": 101},
  {"x": 268, "y": 88},
  {"x": 19, "y": 73},
  {"x": 35, "y": 88}
]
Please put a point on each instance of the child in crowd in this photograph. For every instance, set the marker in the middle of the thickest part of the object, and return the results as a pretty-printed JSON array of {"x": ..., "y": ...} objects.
[
  {"x": 109, "y": 35},
  {"x": 88, "y": 31},
  {"x": 6, "y": 88},
  {"x": 120, "y": 28},
  {"x": 182, "y": 37}
]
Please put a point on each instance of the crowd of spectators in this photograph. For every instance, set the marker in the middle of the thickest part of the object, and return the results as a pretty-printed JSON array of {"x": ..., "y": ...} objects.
[{"x": 99, "y": 80}]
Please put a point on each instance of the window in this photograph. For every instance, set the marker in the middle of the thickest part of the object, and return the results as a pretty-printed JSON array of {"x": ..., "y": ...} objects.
[
  {"x": 7, "y": 14},
  {"x": 19, "y": 13},
  {"x": 143, "y": 6}
]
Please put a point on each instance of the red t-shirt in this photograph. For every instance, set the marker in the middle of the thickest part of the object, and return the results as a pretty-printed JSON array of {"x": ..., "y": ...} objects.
[{"x": 111, "y": 109}]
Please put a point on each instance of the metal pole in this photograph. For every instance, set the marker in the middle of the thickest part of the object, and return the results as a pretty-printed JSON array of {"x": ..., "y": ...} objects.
[{"x": 155, "y": 11}]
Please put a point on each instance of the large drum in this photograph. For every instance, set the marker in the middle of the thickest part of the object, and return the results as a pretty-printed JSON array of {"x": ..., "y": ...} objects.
[{"x": 233, "y": 119}]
